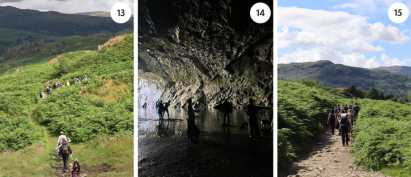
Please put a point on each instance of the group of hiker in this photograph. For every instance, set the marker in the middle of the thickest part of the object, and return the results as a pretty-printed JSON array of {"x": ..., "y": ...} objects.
[
  {"x": 65, "y": 152},
  {"x": 58, "y": 84},
  {"x": 343, "y": 120},
  {"x": 192, "y": 129}
]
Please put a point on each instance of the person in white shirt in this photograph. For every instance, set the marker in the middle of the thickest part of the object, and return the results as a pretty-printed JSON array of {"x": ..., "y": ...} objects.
[{"x": 60, "y": 140}]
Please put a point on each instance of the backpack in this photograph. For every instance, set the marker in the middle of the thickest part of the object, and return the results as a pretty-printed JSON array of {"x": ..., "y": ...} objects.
[
  {"x": 344, "y": 122},
  {"x": 331, "y": 117},
  {"x": 65, "y": 150}
]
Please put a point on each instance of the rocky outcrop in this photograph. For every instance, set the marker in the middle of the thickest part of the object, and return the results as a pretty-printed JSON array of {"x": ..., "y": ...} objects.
[{"x": 209, "y": 50}]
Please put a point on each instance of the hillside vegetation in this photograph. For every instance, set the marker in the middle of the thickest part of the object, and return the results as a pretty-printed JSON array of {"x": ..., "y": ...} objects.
[
  {"x": 88, "y": 113},
  {"x": 396, "y": 69},
  {"x": 381, "y": 134},
  {"x": 18, "y": 26},
  {"x": 337, "y": 76}
]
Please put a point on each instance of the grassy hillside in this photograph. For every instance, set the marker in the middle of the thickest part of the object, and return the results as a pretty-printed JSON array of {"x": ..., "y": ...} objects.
[
  {"x": 95, "y": 119},
  {"x": 75, "y": 43},
  {"x": 337, "y": 75},
  {"x": 396, "y": 69}
]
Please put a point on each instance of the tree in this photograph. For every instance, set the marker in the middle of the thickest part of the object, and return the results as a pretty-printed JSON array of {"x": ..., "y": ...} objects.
[
  {"x": 381, "y": 96},
  {"x": 373, "y": 94},
  {"x": 62, "y": 67}
]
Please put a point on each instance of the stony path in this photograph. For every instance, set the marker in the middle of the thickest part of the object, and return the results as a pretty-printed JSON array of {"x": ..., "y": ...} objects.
[{"x": 328, "y": 158}]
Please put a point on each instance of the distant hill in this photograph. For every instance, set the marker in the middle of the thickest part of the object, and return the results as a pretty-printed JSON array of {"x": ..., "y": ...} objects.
[
  {"x": 396, "y": 69},
  {"x": 337, "y": 76},
  {"x": 95, "y": 13},
  {"x": 18, "y": 26}
]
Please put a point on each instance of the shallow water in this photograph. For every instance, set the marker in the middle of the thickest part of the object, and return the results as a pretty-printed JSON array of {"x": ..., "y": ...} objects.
[{"x": 207, "y": 120}]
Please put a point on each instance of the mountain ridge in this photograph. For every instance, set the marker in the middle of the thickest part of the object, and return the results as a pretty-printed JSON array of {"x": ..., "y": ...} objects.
[{"x": 338, "y": 75}]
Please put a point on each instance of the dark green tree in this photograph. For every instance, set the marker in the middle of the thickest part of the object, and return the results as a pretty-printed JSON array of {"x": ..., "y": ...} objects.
[{"x": 373, "y": 94}]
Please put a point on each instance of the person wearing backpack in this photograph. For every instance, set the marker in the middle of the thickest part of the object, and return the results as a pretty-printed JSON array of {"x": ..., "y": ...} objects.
[
  {"x": 345, "y": 127},
  {"x": 64, "y": 152},
  {"x": 356, "y": 109},
  {"x": 331, "y": 121},
  {"x": 42, "y": 95}
]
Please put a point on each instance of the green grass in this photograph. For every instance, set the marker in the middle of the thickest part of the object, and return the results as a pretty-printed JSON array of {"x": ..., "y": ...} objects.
[
  {"x": 100, "y": 123},
  {"x": 397, "y": 171}
]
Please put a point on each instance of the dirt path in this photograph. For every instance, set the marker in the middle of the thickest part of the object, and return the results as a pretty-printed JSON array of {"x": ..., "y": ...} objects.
[{"x": 328, "y": 158}]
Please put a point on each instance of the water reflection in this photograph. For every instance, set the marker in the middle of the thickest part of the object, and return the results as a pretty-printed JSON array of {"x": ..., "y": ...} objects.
[{"x": 207, "y": 120}]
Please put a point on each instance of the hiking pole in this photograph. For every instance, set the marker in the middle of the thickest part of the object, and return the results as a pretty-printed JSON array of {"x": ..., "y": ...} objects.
[{"x": 71, "y": 155}]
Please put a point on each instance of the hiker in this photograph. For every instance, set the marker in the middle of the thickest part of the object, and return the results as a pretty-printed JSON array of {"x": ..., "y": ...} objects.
[
  {"x": 48, "y": 90},
  {"x": 60, "y": 139},
  {"x": 252, "y": 113},
  {"x": 356, "y": 110},
  {"x": 42, "y": 95},
  {"x": 85, "y": 77},
  {"x": 160, "y": 109},
  {"x": 345, "y": 109},
  {"x": 226, "y": 111},
  {"x": 74, "y": 81},
  {"x": 331, "y": 121},
  {"x": 55, "y": 85},
  {"x": 337, "y": 106},
  {"x": 165, "y": 109},
  {"x": 191, "y": 126},
  {"x": 47, "y": 84},
  {"x": 68, "y": 83},
  {"x": 64, "y": 152},
  {"x": 345, "y": 127},
  {"x": 351, "y": 116},
  {"x": 75, "y": 171},
  {"x": 63, "y": 85},
  {"x": 91, "y": 75}
]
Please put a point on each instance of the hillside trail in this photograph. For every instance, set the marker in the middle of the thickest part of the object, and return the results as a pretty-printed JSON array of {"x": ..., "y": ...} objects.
[{"x": 327, "y": 158}]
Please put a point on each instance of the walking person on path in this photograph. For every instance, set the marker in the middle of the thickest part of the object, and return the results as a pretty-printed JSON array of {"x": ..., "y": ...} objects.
[
  {"x": 226, "y": 111},
  {"x": 75, "y": 171},
  {"x": 60, "y": 139},
  {"x": 252, "y": 113},
  {"x": 64, "y": 152},
  {"x": 331, "y": 121},
  {"x": 345, "y": 127}
]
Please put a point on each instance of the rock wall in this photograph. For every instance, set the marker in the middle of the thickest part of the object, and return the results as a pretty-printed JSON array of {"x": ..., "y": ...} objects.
[{"x": 209, "y": 50}]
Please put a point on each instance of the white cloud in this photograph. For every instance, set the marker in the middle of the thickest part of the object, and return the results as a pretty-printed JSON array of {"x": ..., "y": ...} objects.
[
  {"x": 67, "y": 6},
  {"x": 407, "y": 60},
  {"x": 315, "y": 54},
  {"x": 345, "y": 5},
  {"x": 329, "y": 35},
  {"x": 391, "y": 61}
]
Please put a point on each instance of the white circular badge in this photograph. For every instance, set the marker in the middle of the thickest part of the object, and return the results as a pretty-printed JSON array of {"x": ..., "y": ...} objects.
[
  {"x": 120, "y": 13},
  {"x": 398, "y": 12},
  {"x": 260, "y": 12}
]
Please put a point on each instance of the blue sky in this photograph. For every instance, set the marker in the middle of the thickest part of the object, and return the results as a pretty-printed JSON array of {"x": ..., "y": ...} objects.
[{"x": 357, "y": 33}]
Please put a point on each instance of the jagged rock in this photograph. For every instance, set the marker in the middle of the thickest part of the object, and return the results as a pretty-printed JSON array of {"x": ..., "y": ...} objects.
[{"x": 203, "y": 50}]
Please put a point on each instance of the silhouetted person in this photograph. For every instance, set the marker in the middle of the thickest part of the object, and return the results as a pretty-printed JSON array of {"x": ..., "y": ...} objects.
[
  {"x": 331, "y": 121},
  {"x": 252, "y": 113},
  {"x": 160, "y": 109},
  {"x": 190, "y": 119},
  {"x": 226, "y": 111},
  {"x": 165, "y": 108}
]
